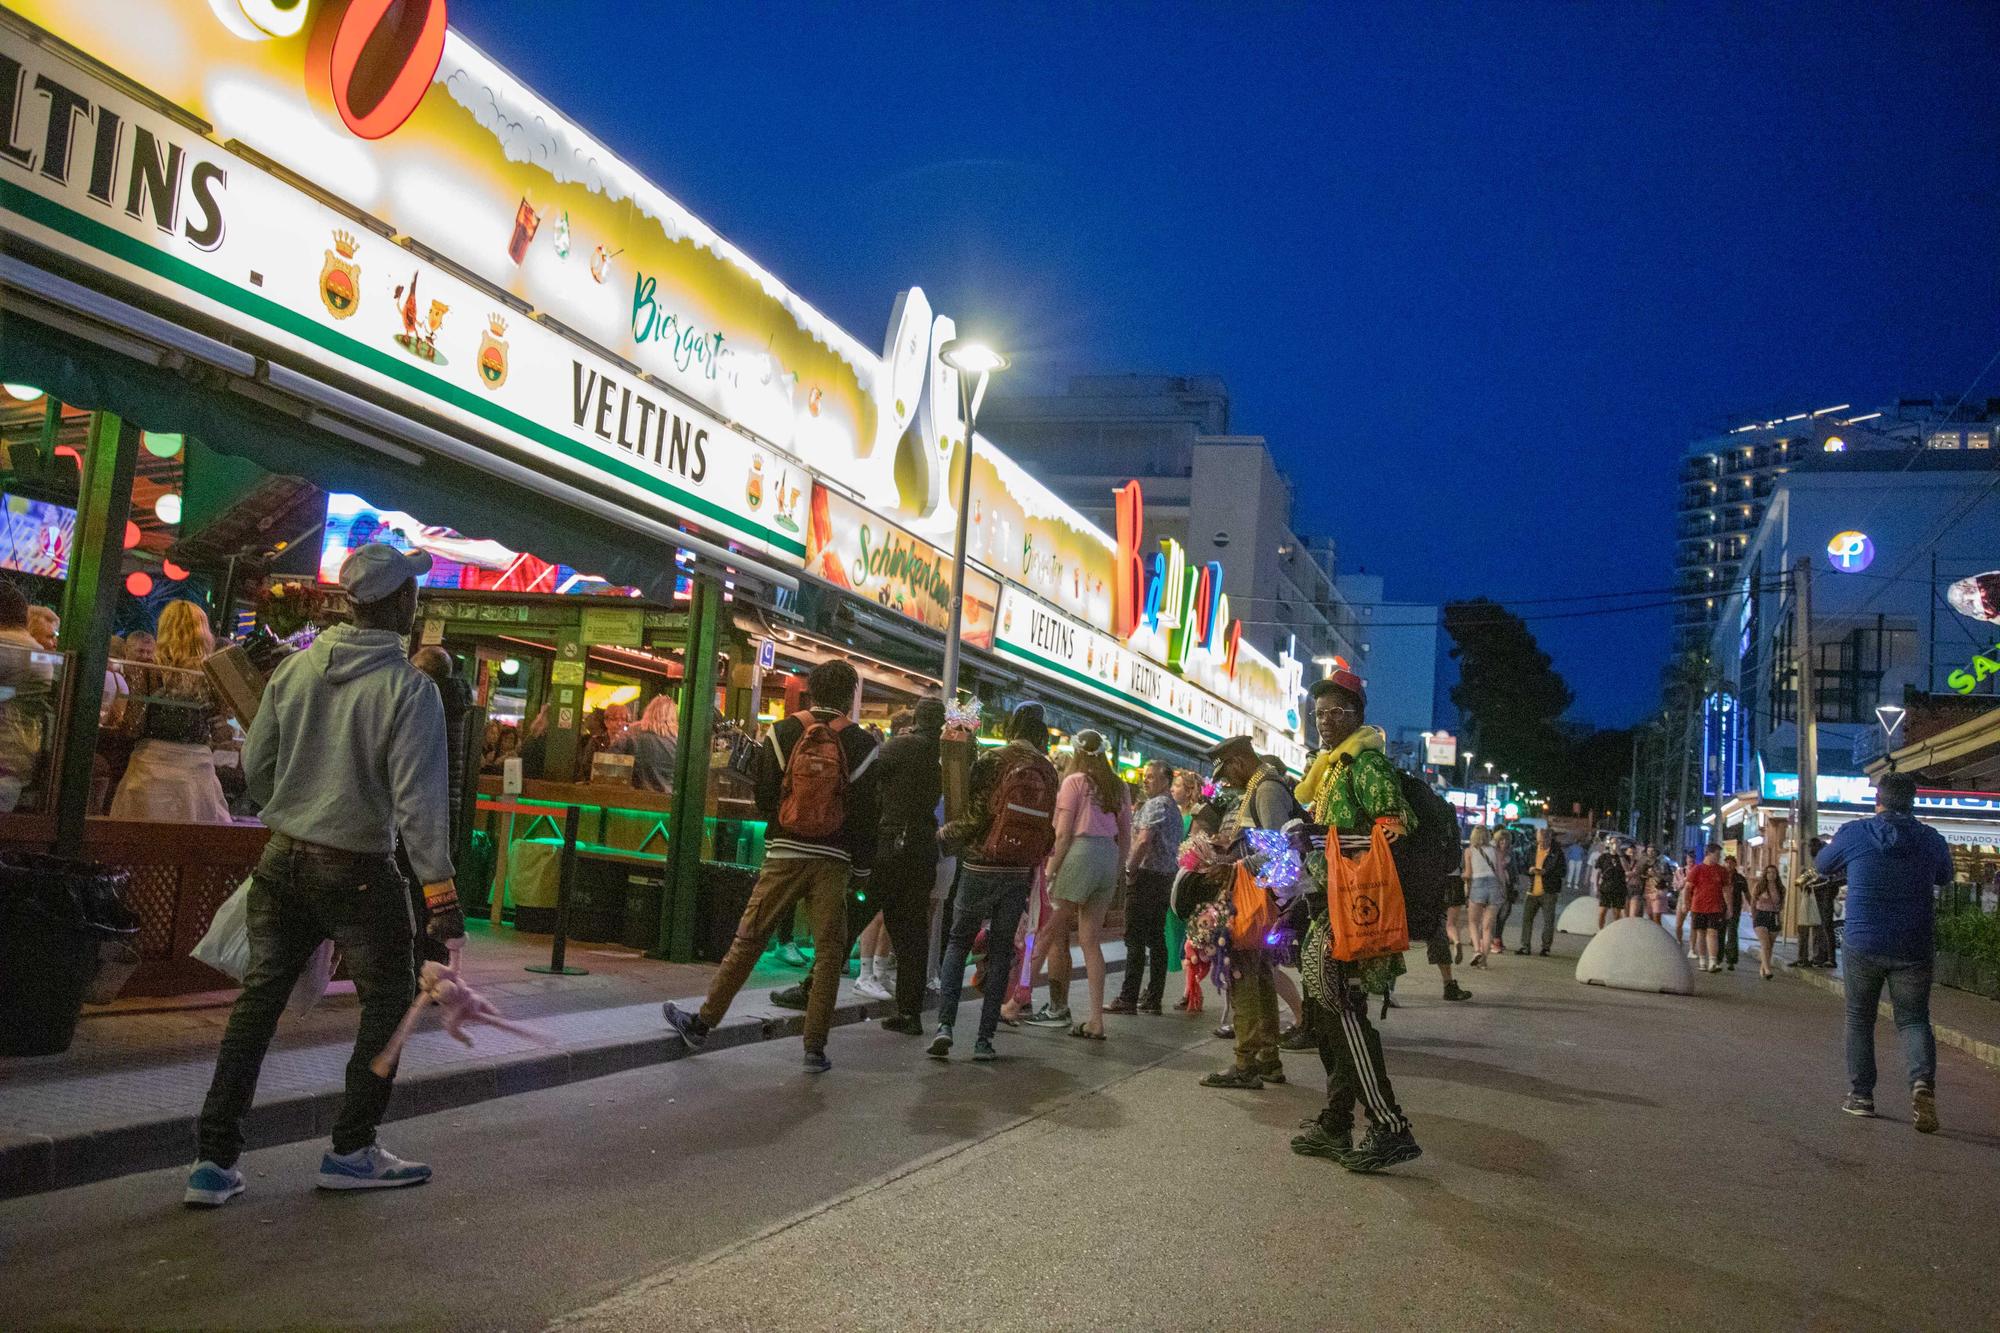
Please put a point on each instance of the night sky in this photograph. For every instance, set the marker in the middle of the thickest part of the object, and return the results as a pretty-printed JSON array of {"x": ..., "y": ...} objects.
[{"x": 1477, "y": 271}]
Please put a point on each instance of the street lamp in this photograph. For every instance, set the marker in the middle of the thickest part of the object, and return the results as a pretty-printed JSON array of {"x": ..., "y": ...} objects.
[
  {"x": 969, "y": 357},
  {"x": 1465, "y": 768},
  {"x": 1489, "y": 770}
]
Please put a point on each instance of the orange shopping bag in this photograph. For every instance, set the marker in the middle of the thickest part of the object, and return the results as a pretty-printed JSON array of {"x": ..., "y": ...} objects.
[
  {"x": 1365, "y": 902},
  {"x": 1252, "y": 914}
]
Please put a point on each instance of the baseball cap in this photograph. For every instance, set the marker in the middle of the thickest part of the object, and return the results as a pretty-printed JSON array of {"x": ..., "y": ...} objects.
[
  {"x": 375, "y": 571},
  {"x": 1342, "y": 679}
]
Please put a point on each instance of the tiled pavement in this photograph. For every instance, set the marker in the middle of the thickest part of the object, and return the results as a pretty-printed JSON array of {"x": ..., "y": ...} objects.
[{"x": 124, "y": 1097}]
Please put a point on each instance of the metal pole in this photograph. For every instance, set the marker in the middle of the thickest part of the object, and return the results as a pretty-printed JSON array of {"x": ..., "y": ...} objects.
[
  {"x": 565, "y": 882},
  {"x": 104, "y": 502},
  {"x": 958, "y": 548},
  {"x": 1930, "y": 651},
  {"x": 1808, "y": 723}
]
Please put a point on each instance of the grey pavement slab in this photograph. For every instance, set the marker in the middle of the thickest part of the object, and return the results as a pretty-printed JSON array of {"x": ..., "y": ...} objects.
[{"x": 125, "y": 1096}]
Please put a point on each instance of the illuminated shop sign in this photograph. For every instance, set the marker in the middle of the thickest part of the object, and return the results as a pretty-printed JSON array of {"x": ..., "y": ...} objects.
[
  {"x": 1850, "y": 552},
  {"x": 143, "y": 197},
  {"x": 1835, "y": 789},
  {"x": 1041, "y": 638},
  {"x": 1975, "y": 673},
  {"x": 865, "y": 554},
  {"x": 1166, "y": 596}
]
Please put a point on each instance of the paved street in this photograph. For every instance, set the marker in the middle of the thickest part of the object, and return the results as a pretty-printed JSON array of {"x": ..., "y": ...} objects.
[{"x": 1592, "y": 1159}]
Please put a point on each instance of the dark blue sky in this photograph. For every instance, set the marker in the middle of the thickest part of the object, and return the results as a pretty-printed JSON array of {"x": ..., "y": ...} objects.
[{"x": 1477, "y": 271}]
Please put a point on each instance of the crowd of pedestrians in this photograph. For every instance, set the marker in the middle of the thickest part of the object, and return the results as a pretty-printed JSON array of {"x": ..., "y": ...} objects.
[{"x": 1237, "y": 878}]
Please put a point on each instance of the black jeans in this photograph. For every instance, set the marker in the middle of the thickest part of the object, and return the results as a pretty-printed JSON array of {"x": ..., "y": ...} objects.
[
  {"x": 1146, "y": 937},
  {"x": 905, "y": 870},
  {"x": 996, "y": 895},
  {"x": 1729, "y": 938},
  {"x": 1825, "y": 950},
  {"x": 300, "y": 895},
  {"x": 1351, "y": 1051}
]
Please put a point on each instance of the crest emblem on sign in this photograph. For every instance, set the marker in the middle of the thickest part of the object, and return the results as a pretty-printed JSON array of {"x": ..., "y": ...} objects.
[
  {"x": 493, "y": 353},
  {"x": 340, "y": 278}
]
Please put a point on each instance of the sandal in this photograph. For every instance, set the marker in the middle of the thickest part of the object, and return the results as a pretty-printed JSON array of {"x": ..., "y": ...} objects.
[{"x": 1085, "y": 1033}]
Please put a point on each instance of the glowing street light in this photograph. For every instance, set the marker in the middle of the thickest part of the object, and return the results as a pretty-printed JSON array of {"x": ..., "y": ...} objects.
[{"x": 969, "y": 357}]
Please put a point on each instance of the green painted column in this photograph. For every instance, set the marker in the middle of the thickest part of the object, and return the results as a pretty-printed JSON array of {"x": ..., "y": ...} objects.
[
  {"x": 104, "y": 503},
  {"x": 565, "y": 707},
  {"x": 686, "y": 824}
]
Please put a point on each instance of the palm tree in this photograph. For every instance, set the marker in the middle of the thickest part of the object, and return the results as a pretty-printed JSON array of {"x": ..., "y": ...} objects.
[{"x": 1686, "y": 684}]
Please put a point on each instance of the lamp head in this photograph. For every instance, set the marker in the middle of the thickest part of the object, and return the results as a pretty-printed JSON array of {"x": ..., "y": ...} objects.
[{"x": 971, "y": 356}]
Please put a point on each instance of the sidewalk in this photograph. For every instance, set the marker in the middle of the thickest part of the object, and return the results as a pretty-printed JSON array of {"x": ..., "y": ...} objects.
[
  {"x": 1967, "y": 1022},
  {"x": 124, "y": 1097}
]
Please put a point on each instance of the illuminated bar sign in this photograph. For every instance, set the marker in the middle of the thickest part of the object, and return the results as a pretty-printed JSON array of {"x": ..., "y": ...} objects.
[{"x": 863, "y": 553}]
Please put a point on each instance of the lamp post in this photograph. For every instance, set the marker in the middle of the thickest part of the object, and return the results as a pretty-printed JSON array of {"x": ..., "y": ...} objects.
[
  {"x": 969, "y": 357},
  {"x": 1465, "y": 769}
]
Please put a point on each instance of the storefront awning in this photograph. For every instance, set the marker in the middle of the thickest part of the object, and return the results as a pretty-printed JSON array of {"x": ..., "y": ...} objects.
[{"x": 1966, "y": 756}]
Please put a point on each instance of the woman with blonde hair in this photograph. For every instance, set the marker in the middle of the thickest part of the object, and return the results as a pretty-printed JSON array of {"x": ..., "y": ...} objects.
[
  {"x": 1086, "y": 868},
  {"x": 1485, "y": 888},
  {"x": 174, "y": 714},
  {"x": 653, "y": 742}
]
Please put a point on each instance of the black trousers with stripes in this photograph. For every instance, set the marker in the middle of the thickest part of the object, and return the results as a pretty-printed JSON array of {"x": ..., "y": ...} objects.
[{"x": 1351, "y": 1051}]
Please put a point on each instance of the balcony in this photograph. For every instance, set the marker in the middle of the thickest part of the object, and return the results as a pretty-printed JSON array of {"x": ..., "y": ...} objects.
[{"x": 1702, "y": 468}]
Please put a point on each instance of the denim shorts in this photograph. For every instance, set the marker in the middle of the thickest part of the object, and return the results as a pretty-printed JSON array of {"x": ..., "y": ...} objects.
[{"x": 1490, "y": 892}]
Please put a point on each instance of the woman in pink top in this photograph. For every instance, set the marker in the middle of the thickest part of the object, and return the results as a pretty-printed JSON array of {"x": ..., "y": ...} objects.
[{"x": 1086, "y": 868}]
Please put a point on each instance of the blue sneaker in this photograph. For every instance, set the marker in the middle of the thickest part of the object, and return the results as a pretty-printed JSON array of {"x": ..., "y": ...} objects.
[
  {"x": 940, "y": 1047},
  {"x": 211, "y": 1186},
  {"x": 982, "y": 1050},
  {"x": 370, "y": 1168},
  {"x": 690, "y": 1027},
  {"x": 817, "y": 1063}
]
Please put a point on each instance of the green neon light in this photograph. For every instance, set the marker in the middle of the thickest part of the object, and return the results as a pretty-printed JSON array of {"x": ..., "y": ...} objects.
[{"x": 89, "y": 231}]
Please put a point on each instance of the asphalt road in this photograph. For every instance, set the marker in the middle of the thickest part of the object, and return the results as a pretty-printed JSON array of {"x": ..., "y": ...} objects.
[{"x": 1592, "y": 1160}]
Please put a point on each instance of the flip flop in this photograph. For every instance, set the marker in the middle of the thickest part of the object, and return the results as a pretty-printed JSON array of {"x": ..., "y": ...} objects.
[{"x": 1085, "y": 1033}]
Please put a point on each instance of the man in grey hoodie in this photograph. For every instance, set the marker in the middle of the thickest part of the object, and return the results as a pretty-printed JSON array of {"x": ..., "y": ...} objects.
[{"x": 346, "y": 755}]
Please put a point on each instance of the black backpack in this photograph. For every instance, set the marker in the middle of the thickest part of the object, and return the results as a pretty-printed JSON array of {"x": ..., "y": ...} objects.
[{"x": 1427, "y": 858}]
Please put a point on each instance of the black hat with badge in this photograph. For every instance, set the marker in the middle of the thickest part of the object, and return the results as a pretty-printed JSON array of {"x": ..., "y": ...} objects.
[{"x": 1223, "y": 751}]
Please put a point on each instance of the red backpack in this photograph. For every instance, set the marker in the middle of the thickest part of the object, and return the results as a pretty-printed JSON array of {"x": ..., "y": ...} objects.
[
  {"x": 1022, "y": 811},
  {"x": 812, "y": 798}
]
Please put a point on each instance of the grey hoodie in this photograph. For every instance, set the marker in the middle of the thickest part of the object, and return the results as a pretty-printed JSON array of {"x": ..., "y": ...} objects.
[{"x": 348, "y": 751}]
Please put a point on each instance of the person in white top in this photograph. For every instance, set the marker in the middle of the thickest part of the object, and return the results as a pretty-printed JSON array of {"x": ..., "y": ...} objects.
[{"x": 1485, "y": 890}]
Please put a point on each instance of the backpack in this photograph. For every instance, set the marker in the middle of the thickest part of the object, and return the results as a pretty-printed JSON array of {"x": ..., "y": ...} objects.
[
  {"x": 1021, "y": 827},
  {"x": 812, "y": 796},
  {"x": 1426, "y": 858}
]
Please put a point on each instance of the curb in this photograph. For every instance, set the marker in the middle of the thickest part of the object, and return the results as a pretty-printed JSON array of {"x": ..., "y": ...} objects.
[
  {"x": 1986, "y": 1052},
  {"x": 38, "y": 1163}
]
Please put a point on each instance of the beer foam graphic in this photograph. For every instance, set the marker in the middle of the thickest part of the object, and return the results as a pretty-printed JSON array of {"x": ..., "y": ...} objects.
[{"x": 530, "y": 130}]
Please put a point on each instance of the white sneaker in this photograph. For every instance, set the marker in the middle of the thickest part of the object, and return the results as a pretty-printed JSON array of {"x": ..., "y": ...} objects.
[
  {"x": 370, "y": 1168},
  {"x": 873, "y": 989}
]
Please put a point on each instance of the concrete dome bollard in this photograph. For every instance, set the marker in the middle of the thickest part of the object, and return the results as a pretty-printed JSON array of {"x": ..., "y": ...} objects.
[
  {"x": 1579, "y": 917},
  {"x": 1635, "y": 954}
]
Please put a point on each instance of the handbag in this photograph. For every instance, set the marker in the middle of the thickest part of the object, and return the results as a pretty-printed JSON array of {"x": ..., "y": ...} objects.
[
  {"x": 1252, "y": 913},
  {"x": 1365, "y": 910}
]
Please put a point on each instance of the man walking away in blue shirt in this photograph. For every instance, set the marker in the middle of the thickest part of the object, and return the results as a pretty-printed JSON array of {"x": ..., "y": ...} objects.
[{"x": 1891, "y": 864}]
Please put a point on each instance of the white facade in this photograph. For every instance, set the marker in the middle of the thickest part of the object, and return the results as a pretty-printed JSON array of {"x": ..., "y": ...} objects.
[{"x": 1221, "y": 496}]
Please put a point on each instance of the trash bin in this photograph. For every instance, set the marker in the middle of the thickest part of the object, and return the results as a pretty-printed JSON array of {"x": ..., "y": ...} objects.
[
  {"x": 725, "y": 892},
  {"x": 644, "y": 887},
  {"x": 59, "y": 921}
]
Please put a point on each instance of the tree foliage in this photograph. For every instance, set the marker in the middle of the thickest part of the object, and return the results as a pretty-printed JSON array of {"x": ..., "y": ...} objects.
[{"x": 1509, "y": 692}]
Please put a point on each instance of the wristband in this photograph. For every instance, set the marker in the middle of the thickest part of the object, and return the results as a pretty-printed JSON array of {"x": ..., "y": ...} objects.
[{"x": 439, "y": 901}]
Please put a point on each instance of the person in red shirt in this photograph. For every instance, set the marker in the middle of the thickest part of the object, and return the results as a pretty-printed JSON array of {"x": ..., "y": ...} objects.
[{"x": 1708, "y": 897}]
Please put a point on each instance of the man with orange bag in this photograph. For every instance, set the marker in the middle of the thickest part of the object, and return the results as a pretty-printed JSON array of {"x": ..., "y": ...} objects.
[{"x": 1351, "y": 789}]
